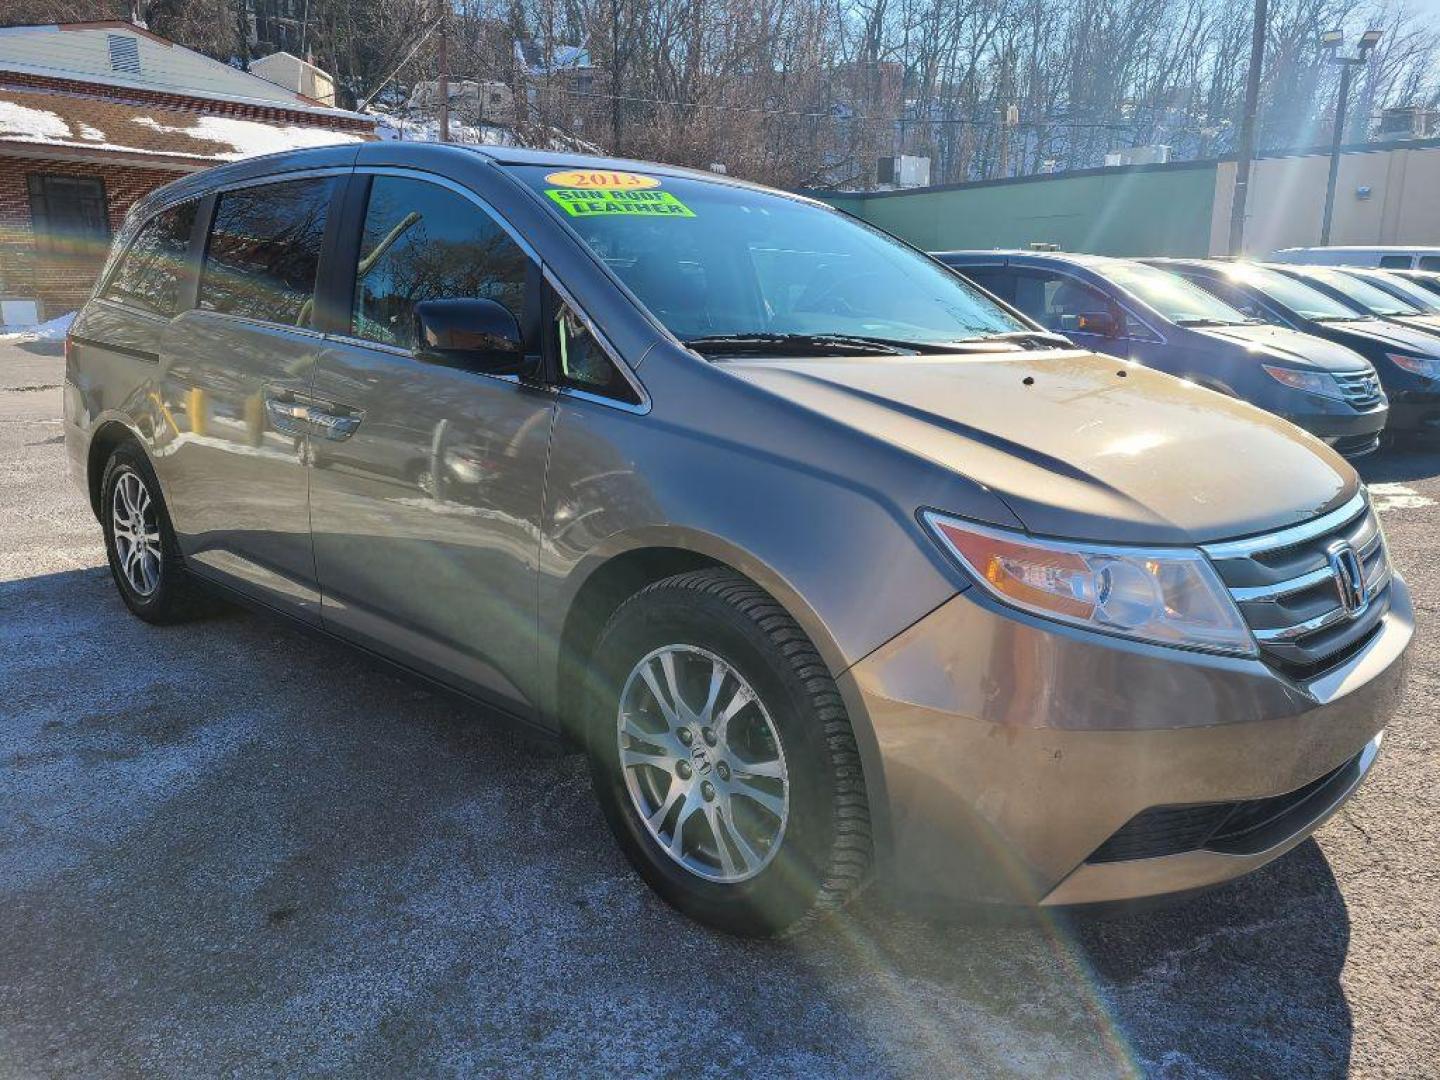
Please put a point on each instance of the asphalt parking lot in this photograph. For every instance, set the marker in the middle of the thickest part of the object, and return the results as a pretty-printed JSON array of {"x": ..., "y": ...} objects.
[{"x": 233, "y": 849}]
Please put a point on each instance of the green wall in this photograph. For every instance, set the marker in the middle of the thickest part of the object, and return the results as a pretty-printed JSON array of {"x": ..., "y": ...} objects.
[{"x": 1140, "y": 210}]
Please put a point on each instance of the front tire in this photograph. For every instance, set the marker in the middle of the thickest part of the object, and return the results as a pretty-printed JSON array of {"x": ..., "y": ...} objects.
[
  {"x": 723, "y": 757},
  {"x": 140, "y": 545}
]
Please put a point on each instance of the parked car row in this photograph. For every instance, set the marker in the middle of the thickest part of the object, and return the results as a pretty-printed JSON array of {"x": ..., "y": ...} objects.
[
  {"x": 1344, "y": 354},
  {"x": 1403, "y": 348}
]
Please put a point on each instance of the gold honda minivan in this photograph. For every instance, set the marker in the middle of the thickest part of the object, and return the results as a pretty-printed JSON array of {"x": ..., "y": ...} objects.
[{"x": 837, "y": 568}]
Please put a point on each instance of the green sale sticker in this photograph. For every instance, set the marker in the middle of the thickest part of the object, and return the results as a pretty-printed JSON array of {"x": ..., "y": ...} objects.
[{"x": 579, "y": 202}]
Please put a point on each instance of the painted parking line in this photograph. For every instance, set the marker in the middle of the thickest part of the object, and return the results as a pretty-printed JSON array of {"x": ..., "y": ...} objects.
[{"x": 1397, "y": 497}]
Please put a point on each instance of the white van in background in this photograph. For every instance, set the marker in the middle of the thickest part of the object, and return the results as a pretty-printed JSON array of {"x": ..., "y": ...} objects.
[{"x": 1384, "y": 258}]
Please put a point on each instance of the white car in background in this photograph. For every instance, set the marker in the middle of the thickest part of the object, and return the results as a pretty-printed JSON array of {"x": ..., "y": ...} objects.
[{"x": 1382, "y": 257}]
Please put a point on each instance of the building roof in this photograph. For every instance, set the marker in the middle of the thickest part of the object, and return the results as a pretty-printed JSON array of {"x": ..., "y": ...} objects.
[
  {"x": 64, "y": 125},
  {"x": 116, "y": 54}
]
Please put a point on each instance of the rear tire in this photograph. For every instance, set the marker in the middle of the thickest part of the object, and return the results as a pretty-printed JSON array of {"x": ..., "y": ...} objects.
[
  {"x": 740, "y": 798},
  {"x": 145, "y": 560}
]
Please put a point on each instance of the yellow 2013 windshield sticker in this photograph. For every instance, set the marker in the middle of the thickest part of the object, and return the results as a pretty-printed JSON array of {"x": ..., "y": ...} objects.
[
  {"x": 579, "y": 202},
  {"x": 601, "y": 179}
]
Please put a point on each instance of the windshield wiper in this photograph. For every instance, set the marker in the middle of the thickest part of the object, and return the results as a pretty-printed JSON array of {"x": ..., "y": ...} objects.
[
  {"x": 1207, "y": 322},
  {"x": 1026, "y": 337},
  {"x": 789, "y": 343}
]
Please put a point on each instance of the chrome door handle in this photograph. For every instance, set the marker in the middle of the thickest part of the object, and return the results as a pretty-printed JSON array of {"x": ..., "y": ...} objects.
[
  {"x": 332, "y": 425},
  {"x": 300, "y": 418},
  {"x": 288, "y": 416}
]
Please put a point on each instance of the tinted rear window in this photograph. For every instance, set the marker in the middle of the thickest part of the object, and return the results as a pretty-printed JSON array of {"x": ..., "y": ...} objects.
[
  {"x": 264, "y": 250},
  {"x": 148, "y": 274}
]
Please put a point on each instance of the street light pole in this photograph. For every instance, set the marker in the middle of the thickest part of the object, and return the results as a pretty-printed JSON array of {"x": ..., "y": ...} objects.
[
  {"x": 1336, "y": 138},
  {"x": 1331, "y": 42},
  {"x": 1246, "y": 150}
]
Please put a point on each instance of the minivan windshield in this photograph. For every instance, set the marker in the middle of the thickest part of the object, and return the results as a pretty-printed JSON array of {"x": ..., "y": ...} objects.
[
  {"x": 1171, "y": 295},
  {"x": 1305, "y": 301},
  {"x": 1366, "y": 296},
  {"x": 715, "y": 262}
]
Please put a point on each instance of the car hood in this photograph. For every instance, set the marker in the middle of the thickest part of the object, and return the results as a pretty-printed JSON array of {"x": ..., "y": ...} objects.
[
  {"x": 1393, "y": 335},
  {"x": 1293, "y": 347},
  {"x": 1079, "y": 445},
  {"x": 1428, "y": 324}
]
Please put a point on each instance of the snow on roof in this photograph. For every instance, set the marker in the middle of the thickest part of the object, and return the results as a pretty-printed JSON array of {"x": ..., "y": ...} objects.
[
  {"x": 247, "y": 138},
  {"x": 21, "y": 121},
  {"x": 91, "y": 124}
]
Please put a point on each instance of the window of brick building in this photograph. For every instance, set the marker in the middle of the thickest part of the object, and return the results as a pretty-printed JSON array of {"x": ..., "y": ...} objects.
[{"x": 68, "y": 215}]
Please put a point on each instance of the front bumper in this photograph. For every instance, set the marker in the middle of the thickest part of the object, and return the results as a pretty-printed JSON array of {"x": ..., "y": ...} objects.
[
  {"x": 1003, "y": 751},
  {"x": 1415, "y": 412},
  {"x": 1340, "y": 421}
]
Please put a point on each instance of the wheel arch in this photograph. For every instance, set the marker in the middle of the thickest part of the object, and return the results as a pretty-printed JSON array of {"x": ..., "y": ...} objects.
[
  {"x": 108, "y": 435},
  {"x": 609, "y": 577}
]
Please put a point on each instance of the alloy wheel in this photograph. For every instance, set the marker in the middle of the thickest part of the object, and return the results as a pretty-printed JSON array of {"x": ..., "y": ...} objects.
[
  {"x": 136, "y": 532},
  {"x": 703, "y": 763}
]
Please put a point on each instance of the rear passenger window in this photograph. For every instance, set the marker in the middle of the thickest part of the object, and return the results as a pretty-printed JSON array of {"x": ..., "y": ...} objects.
[
  {"x": 1240, "y": 300},
  {"x": 264, "y": 250},
  {"x": 1395, "y": 262},
  {"x": 148, "y": 274},
  {"x": 425, "y": 242},
  {"x": 1057, "y": 302},
  {"x": 1430, "y": 262}
]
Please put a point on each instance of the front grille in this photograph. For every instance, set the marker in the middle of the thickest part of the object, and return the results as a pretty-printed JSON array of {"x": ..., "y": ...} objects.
[
  {"x": 1289, "y": 595},
  {"x": 1237, "y": 828},
  {"x": 1360, "y": 388},
  {"x": 1353, "y": 446}
]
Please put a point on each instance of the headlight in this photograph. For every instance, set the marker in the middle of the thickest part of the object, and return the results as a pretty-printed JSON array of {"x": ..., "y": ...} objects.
[
  {"x": 1427, "y": 366},
  {"x": 1312, "y": 382},
  {"x": 1168, "y": 596}
]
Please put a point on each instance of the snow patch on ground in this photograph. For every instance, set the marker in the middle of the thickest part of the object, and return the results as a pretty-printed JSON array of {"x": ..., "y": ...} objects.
[
  {"x": 54, "y": 330},
  {"x": 403, "y": 129},
  {"x": 1397, "y": 497},
  {"x": 426, "y": 128}
]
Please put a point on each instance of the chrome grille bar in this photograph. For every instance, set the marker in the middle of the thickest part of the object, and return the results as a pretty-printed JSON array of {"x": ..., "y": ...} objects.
[
  {"x": 1298, "y": 534},
  {"x": 1360, "y": 387},
  {"x": 1272, "y": 593},
  {"x": 1318, "y": 624},
  {"x": 1303, "y": 629}
]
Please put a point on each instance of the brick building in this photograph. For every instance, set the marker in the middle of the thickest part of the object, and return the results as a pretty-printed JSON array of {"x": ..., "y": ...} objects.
[{"x": 95, "y": 115}]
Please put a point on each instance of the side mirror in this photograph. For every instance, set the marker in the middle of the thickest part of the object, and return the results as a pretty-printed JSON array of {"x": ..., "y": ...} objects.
[
  {"x": 480, "y": 335},
  {"x": 1092, "y": 322}
]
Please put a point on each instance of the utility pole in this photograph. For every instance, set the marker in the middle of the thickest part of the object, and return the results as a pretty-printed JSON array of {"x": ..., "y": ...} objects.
[
  {"x": 1003, "y": 115},
  {"x": 1336, "y": 138},
  {"x": 443, "y": 82},
  {"x": 1246, "y": 151},
  {"x": 1330, "y": 41}
]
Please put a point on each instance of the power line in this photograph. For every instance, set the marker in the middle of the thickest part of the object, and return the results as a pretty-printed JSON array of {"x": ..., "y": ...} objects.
[{"x": 815, "y": 115}]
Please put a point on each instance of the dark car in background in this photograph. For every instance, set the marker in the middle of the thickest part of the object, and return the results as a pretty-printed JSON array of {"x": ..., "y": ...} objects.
[
  {"x": 1406, "y": 358},
  {"x": 1345, "y": 285},
  {"x": 1148, "y": 316},
  {"x": 1417, "y": 296},
  {"x": 1429, "y": 280}
]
